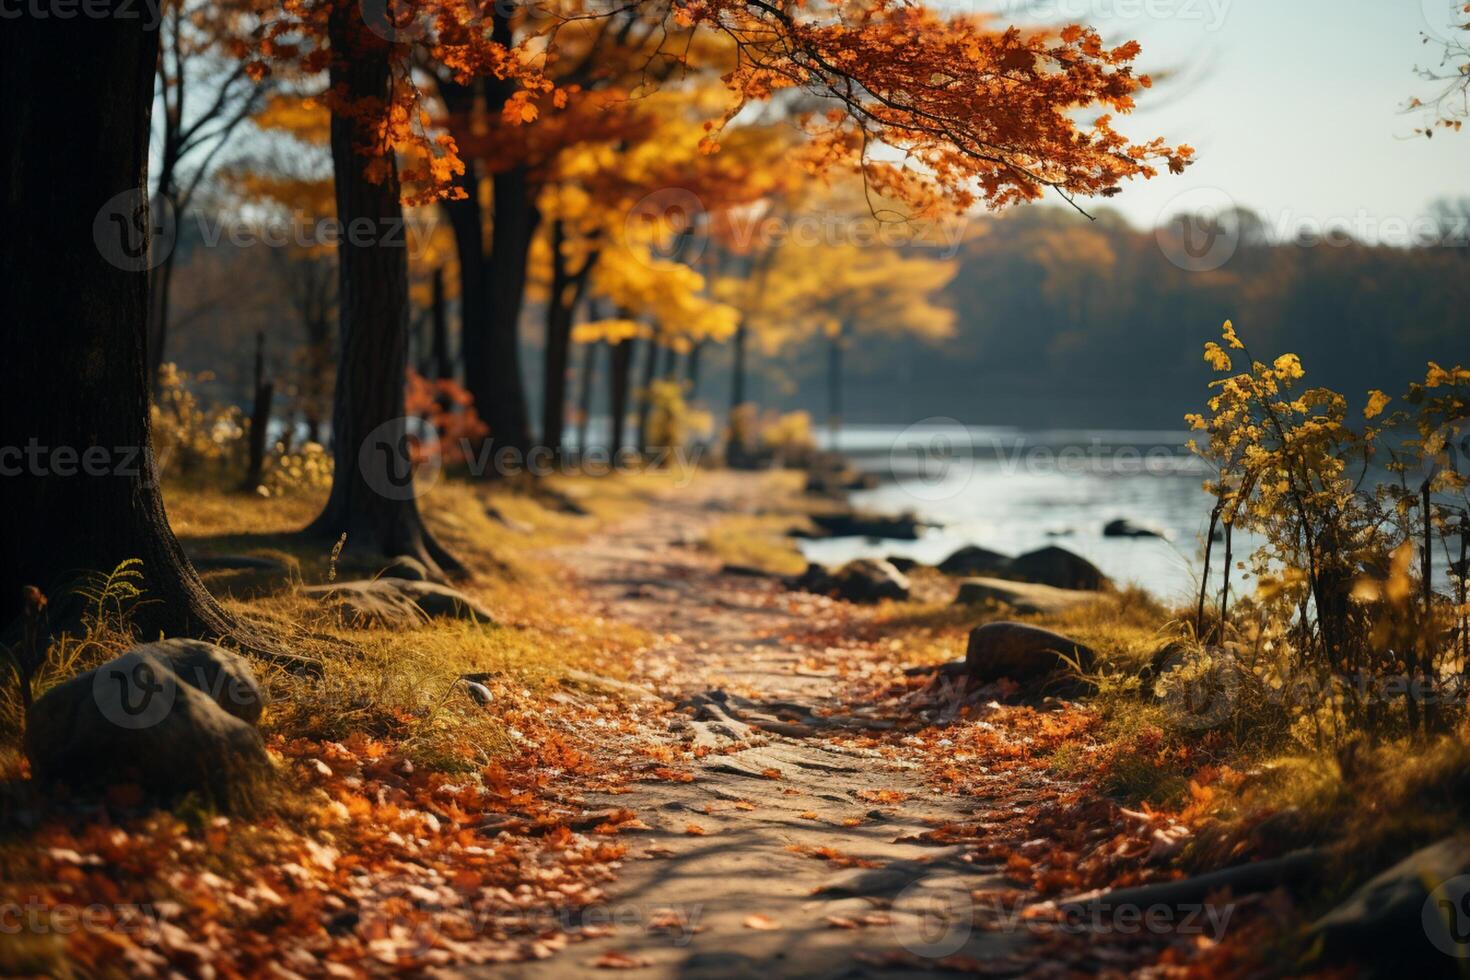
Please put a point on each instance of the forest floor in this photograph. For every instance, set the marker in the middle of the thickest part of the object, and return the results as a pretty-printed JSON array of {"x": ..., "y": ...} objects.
[
  {"x": 674, "y": 766},
  {"x": 819, "y": 812}
]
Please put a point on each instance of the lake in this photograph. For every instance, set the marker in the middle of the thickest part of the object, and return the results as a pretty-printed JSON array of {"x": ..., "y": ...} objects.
[{"x": 1013, "y": 490}]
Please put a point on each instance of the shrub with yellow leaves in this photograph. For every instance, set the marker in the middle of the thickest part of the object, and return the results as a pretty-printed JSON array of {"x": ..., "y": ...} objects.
[
  {"x": 199, "y": 445},
  {"x": 189, "y": 440},
  {"x": 1347, "y": 620}
]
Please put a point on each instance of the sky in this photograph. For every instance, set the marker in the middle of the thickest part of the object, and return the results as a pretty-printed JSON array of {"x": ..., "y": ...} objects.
[{"x": 1295, "y": 107}]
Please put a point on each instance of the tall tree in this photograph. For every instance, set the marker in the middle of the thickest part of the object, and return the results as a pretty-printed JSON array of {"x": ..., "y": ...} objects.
[
  {"x": 372, "y": 499},
  {"x": 569, "y": 275},
  {"x": 840, "y": 294},
  {"x": 492, "y": 267},
  {"x": 80, "y": 492}
]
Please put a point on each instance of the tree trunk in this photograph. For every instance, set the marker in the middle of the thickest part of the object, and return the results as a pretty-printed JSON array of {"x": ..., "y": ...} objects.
[
  {"x": 80, "y": 489},
  {"x": 159, "y": 281},
  {"x": 834, "y": 389},
  {"x": 691, "y": 366},
  {"x": 645, "y": 392},
  {"x": 558, "y": 349},
  {"x": 442, "y": 360},
  {"x": 567, "y": 287},
  {"x": 502, "y": 394},
  {"x": 737, "y": 367},
  {"x": 466, "y": 220},
  {"x": 373, "y": 497},
  {"x": 584, "y": 395},
  {"x": 318, "y": 376},
  {"x": 260, "y": 418},
  {"x": 622, "y": 371}
]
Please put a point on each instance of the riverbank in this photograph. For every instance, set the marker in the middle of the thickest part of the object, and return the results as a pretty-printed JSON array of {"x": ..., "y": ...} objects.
[{"x": 677, "y": 764}]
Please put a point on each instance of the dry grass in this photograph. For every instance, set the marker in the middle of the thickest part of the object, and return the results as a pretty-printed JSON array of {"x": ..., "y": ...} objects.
[
  {"x": 761, "y": 541},
  {"x": 397, "y": 684},
  {"x": 758, "y": 542}
]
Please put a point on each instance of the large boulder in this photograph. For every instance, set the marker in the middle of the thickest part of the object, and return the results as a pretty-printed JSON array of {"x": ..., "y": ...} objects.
[
  {"x": 975, "y": 560},
  {"x": 395, "y": 603},
  {"x": 1024, "y": 597},
  {"x": 1022, "y": 653},
  {"x": 174, "y": 716},
  {"x": 1059, "y": 568},
  {"x": 866, "y": 580},
  {"x": 1411, "y": 920}
]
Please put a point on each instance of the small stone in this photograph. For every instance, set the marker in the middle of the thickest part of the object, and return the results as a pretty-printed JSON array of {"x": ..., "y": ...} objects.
[{"x": 866, "y": 580}]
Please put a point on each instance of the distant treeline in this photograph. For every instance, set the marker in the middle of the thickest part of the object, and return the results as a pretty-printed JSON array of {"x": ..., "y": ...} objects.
[{"x": 1075, "y": 323}]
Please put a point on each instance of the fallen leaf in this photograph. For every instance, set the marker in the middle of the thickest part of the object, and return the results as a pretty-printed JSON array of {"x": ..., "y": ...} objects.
[{"x": 616, "y": 959}]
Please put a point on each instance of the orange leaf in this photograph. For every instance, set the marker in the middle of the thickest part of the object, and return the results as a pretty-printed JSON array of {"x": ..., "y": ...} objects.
[{"x": 616, "y": 959}]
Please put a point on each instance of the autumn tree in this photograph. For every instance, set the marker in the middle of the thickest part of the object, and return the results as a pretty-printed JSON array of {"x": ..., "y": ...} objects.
[
  {"x": 661, "y": 304},
  {"x": 516, "y": 140},
  {"x": 980, "y": 111},
  {"x": 841, "y": 292},
  {"x": 642, "y": 190},
  {"x": 372, "y": 500}
]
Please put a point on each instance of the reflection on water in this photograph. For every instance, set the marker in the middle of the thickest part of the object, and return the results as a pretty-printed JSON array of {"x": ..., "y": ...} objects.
[{"x": 1012, "y": 490}]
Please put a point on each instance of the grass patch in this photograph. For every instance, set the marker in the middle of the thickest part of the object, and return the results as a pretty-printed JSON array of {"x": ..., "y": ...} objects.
[
  {"x": 758, "y": 542},
  {"x": 762, "y": 541},
  {"x": 399, "y": 685}
]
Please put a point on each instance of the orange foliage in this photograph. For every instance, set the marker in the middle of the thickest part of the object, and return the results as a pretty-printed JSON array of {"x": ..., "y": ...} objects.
[
  {"x": 970, "y": 104},
  {"x": 445, "y": 405}
]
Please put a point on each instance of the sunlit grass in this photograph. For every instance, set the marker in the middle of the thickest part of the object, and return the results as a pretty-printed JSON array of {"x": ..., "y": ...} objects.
[
  {"x": 762, "y": 541},
  {"x": 398, "y": 684}
]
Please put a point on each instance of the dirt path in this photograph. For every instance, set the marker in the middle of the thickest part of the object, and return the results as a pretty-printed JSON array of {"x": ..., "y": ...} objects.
[{"x": 724, "y": 883}]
